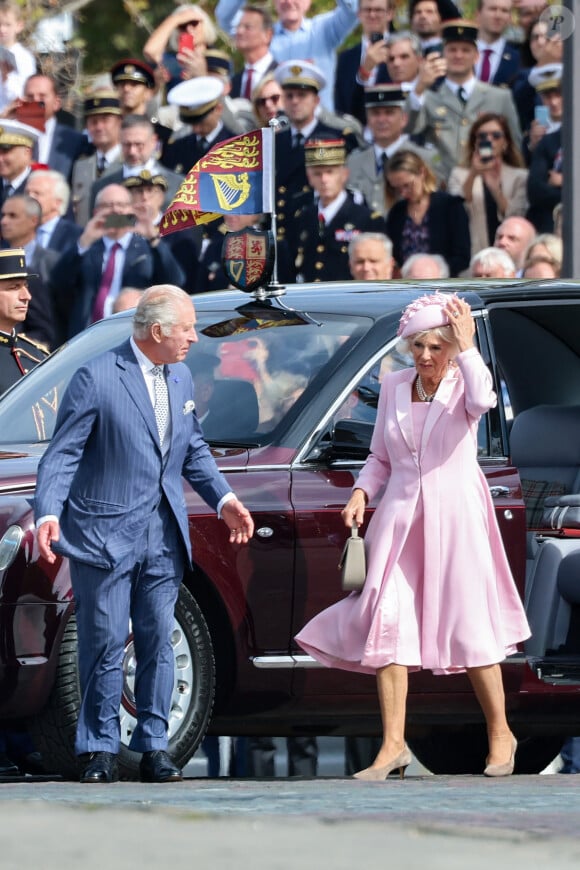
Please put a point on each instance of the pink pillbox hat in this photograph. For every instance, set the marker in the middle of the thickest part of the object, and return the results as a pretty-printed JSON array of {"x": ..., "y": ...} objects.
[{"x": 425, "y": 313}]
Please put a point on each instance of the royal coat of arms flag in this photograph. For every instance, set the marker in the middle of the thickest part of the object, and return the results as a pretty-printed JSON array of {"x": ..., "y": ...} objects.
[{"x": 234, "y": 177}]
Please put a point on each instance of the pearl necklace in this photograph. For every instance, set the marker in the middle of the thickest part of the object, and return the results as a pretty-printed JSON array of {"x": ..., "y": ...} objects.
[{"x": 425, "y": 397}]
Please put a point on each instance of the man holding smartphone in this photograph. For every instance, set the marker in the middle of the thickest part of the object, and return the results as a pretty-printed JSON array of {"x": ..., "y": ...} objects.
[
  {"x": 297, "y": 37},
  {"x": 369, "y": 54},
  {"x": 545, "y": 177},
  {"x": 547, "y": 81},
  {"x": 444, "y": 117},
  {"x": 109, "y": 255}
]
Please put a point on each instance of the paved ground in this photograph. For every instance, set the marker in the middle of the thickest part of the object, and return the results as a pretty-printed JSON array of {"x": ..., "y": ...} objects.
[{"x": 421, "y": 822}]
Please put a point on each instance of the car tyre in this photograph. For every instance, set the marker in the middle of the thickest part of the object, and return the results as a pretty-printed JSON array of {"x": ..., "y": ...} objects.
[
  {"x": 53, "y": 729},
  {"x": 448, "y": 751}
]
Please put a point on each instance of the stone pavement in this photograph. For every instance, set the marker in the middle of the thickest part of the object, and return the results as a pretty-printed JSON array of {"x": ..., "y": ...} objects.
[{"x": 439, "y": 823}]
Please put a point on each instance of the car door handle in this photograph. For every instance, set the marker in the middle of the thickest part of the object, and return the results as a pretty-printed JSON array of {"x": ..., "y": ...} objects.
[
  {"x": 264, "y": 532},
  {"x": 499, "y": 491}
]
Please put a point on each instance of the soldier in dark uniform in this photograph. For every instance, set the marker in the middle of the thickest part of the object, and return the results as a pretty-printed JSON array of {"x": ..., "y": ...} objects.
[
  {"x": 134, "y": 81},
  {"x": 325, "y": 228},
  {"x": 300, "y": 82},
  {"x": 201, "y": 105},
  {"x": 18, "y": 354}
]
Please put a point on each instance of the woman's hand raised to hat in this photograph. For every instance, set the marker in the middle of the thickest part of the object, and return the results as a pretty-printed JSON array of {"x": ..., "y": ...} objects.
[{"x": 461, "y": 322}]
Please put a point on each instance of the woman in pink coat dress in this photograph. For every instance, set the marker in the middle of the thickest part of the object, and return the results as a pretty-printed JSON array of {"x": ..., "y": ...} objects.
[{"x": 439, "y": 593}]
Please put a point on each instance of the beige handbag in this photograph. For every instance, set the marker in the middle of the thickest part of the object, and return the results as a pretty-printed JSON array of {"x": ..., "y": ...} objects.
[{"x": 353, "y": 562}]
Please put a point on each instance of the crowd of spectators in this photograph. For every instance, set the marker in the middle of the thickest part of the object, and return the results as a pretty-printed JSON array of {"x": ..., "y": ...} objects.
[{"x": 436, "y": 131}]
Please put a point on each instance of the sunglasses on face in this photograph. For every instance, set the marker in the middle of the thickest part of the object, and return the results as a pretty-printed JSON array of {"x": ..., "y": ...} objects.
[
  {"x": 494, "y": 134},
  {"x": 194, "y": 23},
  {"x": 275, "y": 98}
]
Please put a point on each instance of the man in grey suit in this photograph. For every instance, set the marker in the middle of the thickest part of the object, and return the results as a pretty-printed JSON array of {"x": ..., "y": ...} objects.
[
  {"x": 445, "y": 116},
  {"x": 139, "y": 149},
  {"x": 386, "y": 120},
  {"x": 102, "y": 112},
  {"x": 130, "y": 414}
]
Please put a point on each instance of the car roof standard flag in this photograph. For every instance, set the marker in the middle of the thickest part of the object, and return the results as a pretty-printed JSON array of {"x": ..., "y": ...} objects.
[{"x": 234, "y": 177}]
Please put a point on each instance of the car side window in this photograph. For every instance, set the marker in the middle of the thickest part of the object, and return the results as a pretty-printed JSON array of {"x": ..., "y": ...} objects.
[
  {"x": 250, "y": 373},
  {"x": 361, "y": 403}
]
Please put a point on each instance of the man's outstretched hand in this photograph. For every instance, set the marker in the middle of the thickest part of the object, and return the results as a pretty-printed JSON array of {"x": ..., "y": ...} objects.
[
  {"x": 238, "y": 520},
  {"x": 45, "y": 535}
]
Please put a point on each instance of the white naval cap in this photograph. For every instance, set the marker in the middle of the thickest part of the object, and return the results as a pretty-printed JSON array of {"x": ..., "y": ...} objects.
[
  {"x": 299, "y": 74},
  {"x": 196, "y": 97},
  {"x": 547, "y": 77}
]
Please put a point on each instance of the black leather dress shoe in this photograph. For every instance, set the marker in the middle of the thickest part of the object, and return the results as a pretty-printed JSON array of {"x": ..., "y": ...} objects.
[
  {"x": 32, "y": 763},
  {"x": 157, "y": 766},
  {"x": 7, "y": 766},
  {"x": 102, "y": 767}
]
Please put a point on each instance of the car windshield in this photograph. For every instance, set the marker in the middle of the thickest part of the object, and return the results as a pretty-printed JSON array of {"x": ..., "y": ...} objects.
[{"x": 250, "y": 368}]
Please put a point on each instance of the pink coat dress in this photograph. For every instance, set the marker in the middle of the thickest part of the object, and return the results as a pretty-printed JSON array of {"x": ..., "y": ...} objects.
[{"x": 439, "y": 592}]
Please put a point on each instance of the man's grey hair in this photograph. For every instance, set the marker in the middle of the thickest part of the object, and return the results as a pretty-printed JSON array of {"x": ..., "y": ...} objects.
[
  {"x": 32, "y": 206},
  {"x": 439, "y": 262},
  {"x": 490, "y": 258},
  {"x": 129, "y": 122},
  {"x": 103, "y": 193},
  {"x": 60, "y": 186},
  {"x": 406, "y": 36},
  {"x": 159, "y": 304},
  {"x": 370, "y": 237}
]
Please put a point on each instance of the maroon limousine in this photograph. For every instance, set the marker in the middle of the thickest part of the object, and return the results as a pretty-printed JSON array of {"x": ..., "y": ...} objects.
[{"x": 287, "y": 389}]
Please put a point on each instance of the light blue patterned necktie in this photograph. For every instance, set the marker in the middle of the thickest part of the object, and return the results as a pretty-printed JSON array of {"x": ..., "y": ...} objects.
[{"x": 161, "y": 406}]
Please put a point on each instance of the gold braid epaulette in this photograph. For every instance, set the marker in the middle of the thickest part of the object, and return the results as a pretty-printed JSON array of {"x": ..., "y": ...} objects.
[{"x": 37, "y": 344}]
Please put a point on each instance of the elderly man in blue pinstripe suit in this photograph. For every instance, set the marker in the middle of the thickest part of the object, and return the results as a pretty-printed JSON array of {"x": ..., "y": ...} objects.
[{"x": 110, "y": 497}]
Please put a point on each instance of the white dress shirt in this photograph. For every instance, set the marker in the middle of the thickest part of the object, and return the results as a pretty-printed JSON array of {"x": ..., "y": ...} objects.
[
  {"x": 259, "y": 69},
  {"x": 45, "y": 141},
  {"x": 147, "y": 366},
  {"x": 331, "y": 210},
  {"x": 497, "y": 49}
]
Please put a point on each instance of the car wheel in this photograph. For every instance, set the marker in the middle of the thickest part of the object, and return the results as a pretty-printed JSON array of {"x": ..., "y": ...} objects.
[
  {"x": 53, "y": 729},
  {"x": 446, "y": 751}
]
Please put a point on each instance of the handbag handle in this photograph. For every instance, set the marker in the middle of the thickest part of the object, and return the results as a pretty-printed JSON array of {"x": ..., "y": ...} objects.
[{"x": 354, "y": 529}]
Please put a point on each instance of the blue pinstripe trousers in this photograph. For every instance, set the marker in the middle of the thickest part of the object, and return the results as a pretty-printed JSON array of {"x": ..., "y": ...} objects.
[{"x": 143, "y": 587}]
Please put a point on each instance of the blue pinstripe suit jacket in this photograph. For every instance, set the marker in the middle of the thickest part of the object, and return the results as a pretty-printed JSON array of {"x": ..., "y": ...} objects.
[{"x": 103, "y": 473}]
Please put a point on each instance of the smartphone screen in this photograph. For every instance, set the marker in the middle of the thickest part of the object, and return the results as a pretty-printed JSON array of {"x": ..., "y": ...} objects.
[
  {"x": 32, "y": 113},
  {"x": 186, "y": 40},
  {"x": 434, "y": 48},
  {"x": 485, "y": 151},
  {"x": 117, "y": 221},
  {"x": 376, "y": 37},
  {"x": 542, "y": 115}
]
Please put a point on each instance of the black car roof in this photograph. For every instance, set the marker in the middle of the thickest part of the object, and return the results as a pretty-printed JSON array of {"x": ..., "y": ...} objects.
[{"x": 379, "y": 299}]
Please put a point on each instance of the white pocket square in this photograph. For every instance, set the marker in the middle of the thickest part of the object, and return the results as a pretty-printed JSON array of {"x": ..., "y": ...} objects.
[{"x": 189, "y": 407}]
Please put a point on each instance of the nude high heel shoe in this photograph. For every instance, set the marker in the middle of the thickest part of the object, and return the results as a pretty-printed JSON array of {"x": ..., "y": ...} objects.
[
  {"x": 505, "y": 769},
  {"x": 376, "y": 774}
]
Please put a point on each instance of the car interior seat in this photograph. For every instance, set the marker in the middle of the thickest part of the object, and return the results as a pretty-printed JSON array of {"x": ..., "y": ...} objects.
[
  {"x": 545, "y": 447},
  {"x": 233, "y": 411}
]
